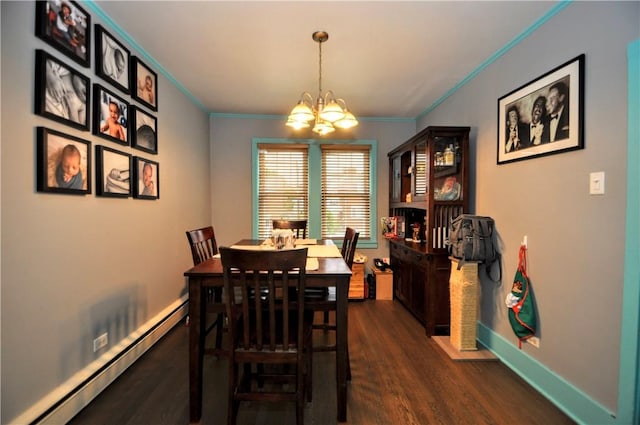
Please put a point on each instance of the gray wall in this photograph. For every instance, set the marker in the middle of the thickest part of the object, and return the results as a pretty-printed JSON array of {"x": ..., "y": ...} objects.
[
  {"x": 74, "y": 266},
  {"x": 231, "y": 168},
  {"x": 576, "y": 241}
]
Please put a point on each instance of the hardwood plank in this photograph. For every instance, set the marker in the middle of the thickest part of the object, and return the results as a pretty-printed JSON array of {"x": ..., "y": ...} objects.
[{"x": 398, "y": 377}]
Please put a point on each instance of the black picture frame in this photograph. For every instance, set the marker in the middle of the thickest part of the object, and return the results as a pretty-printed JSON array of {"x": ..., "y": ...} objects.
[
  {"x": 74, "y": 42},
  {"x": 52, "y": 148},
  {"x": 113, "y": 173},
  {"x": 144, "y": 84},
  {"x": 62, "y": 94},
  {"x": 536, "y": 128},
  {"x": 105, "y": 101},
  {"x": 112, "y": 60},
  {"x": 142, "y": 190},
  {"x": 144, "y": 133}
]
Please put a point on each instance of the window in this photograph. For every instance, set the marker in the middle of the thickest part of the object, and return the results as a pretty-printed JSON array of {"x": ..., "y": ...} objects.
[
  {"x": 328, "y": 183},
  {"x": 283, "y": 185},
  {"x": 345, "y": 190}
]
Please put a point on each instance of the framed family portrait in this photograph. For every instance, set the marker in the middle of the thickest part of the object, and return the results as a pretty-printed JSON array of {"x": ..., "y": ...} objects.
[
  {"x": 545, "y": 116},
  {"x": 113, "y": 173},
  {"x": 63, "y": 163},
  {"x": 144, "y": 134},
  {"x": 61, "y": 93},
  {"x": 111, "y": 117},
  {"x": 67, "y": 27},
  {"x": 112, "y": 59},
  {"x": 145, "y": 81},
  {"x": 146, "y": 178}
]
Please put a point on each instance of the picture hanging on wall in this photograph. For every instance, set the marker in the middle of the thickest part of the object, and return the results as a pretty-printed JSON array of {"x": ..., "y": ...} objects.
[
  {"x": 145, "y": 83},
  {"x": 61, "y": 93},
  {"x": 110, "y": 119},
  {"x": 545, "y": 116},
  {"x": 146, "y": 178},
  {"x": 67, "y": 27},
  {"x": 63, "y": 163},
  {"x": 144, "y": 134},
  {"x": 113, "y": 173},
  {"x": 112, "y": 59}
]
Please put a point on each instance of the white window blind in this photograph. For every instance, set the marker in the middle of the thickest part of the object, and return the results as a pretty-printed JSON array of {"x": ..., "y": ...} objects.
[
  {"x": 283, "y": 181},
  {"x": 345, "y": 189}
]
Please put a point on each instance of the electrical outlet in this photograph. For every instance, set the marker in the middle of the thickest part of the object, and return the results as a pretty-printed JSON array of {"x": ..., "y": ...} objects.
[
  {"x": 100, "y": 341},
  {"x": 535, "y": 341}
]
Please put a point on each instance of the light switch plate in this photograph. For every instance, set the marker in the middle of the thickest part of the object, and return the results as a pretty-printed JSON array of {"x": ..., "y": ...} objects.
[{"x": 596, "y": 183}]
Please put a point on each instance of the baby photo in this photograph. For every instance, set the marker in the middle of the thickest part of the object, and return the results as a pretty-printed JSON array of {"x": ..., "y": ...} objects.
[
  {"x": 111, "y": 122},
  {"x": 63, "y": 163}
]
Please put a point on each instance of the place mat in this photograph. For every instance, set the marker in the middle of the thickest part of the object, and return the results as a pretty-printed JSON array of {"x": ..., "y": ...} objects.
[
  {"x": 254, "y": 247},
  {"x": 325, "y": 251},
  {"x": 306, "y": 241},
  {"x": 312, "y": 263}
]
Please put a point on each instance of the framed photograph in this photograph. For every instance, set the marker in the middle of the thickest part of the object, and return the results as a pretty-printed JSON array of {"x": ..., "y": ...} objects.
[
  {"x": 145, "y": 81},
  {"x": 146, "y": 178},
  {"x": 545, "y": 116},
  {"x": 111, "y": 118},
  {"x": 67, "y": 27},
  {"x": 144, "y": 134},
  {"x": 63, "y": 163},
  {"x": 112, "y": 59},
  {"x": 113, "y": 173},
  {"x": 62, "y": 93}
]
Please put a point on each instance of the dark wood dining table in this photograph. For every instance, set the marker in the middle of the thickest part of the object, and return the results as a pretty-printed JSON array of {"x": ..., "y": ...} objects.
[{"x": 331, "y": 272}]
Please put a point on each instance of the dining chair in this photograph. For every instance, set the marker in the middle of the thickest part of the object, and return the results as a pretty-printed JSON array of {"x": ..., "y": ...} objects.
[
  {"x": 299, "y": 227},
  {"x": 325, "y": 301},
  {"x": 204, "y": 246},
  {"x": 269, "y": 330}
]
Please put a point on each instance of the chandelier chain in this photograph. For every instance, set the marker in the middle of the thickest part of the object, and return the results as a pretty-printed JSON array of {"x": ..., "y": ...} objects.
[{"x": 320, "y": 70}]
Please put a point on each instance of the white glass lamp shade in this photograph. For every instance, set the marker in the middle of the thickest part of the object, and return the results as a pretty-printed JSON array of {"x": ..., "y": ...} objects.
[
  {"x": 332, "y": 112},
  {"x": 323, "y": 127},
  {"x": 297, "y": 125},
  {"x": 301, "y": 113},
  {"x": 348, "y": 121}
]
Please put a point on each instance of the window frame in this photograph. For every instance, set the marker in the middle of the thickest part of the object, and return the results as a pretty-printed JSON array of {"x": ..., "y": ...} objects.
[{"x": 315, "y": 182}]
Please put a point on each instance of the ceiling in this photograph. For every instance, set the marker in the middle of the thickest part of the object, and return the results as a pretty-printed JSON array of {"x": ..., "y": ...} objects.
[{"x": 387, "y": 59}]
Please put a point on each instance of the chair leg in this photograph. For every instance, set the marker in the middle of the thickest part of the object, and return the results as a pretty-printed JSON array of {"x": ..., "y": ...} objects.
[
  {"x": 219, "y": 326},
  {"x": 309, "y": 370},
  {"x": 348, "y": 364},
  {"x": 232, "y": 404},
  {"x": 300, "y": 399}
]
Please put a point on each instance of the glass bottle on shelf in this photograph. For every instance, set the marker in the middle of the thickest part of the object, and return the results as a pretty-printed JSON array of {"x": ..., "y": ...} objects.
[{"x": 448, "y": 155}]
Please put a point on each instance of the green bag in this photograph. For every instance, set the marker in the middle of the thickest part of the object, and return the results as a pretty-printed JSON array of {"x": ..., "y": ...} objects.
[{"x": 520, "y": 301}]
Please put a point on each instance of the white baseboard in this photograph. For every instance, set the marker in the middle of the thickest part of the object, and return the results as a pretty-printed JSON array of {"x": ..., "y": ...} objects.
[{"x": 83, "y": 387}]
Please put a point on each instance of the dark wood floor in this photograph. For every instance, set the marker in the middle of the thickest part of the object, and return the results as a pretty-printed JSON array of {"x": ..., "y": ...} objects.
[{"x": 400, "y": 377}]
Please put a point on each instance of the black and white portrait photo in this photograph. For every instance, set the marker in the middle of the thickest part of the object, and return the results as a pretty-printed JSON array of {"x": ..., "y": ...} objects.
[
  {"x": 543, "y": 117},
  {"x": 62, "y": 94},
  {"x": 112, "y": 60},
  {"x": 145, "y": 136}
]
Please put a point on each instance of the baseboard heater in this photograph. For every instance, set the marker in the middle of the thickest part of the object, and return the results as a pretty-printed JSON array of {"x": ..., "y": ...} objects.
[{"x": 63, "y": 403}]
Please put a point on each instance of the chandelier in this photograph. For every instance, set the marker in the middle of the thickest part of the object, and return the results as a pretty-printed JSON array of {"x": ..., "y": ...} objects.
[{"x": 328, "y": 112}]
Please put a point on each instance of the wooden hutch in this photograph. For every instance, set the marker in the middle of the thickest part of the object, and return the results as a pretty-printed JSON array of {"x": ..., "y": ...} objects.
[{"x": 429, "y": 185}]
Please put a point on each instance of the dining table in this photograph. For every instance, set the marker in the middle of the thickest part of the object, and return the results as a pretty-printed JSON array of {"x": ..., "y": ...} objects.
[{"x": 325, "y": 268}]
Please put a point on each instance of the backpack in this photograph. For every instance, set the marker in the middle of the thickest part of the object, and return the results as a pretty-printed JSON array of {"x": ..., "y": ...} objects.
[
  {"x": 472, "y": 238},
  {"x": 520, "y": 302}
]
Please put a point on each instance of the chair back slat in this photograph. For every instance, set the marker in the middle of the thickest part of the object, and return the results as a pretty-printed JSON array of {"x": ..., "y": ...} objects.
[
  {"x": 272, "y": 290},
  {"x": 299, "y": 227}
]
